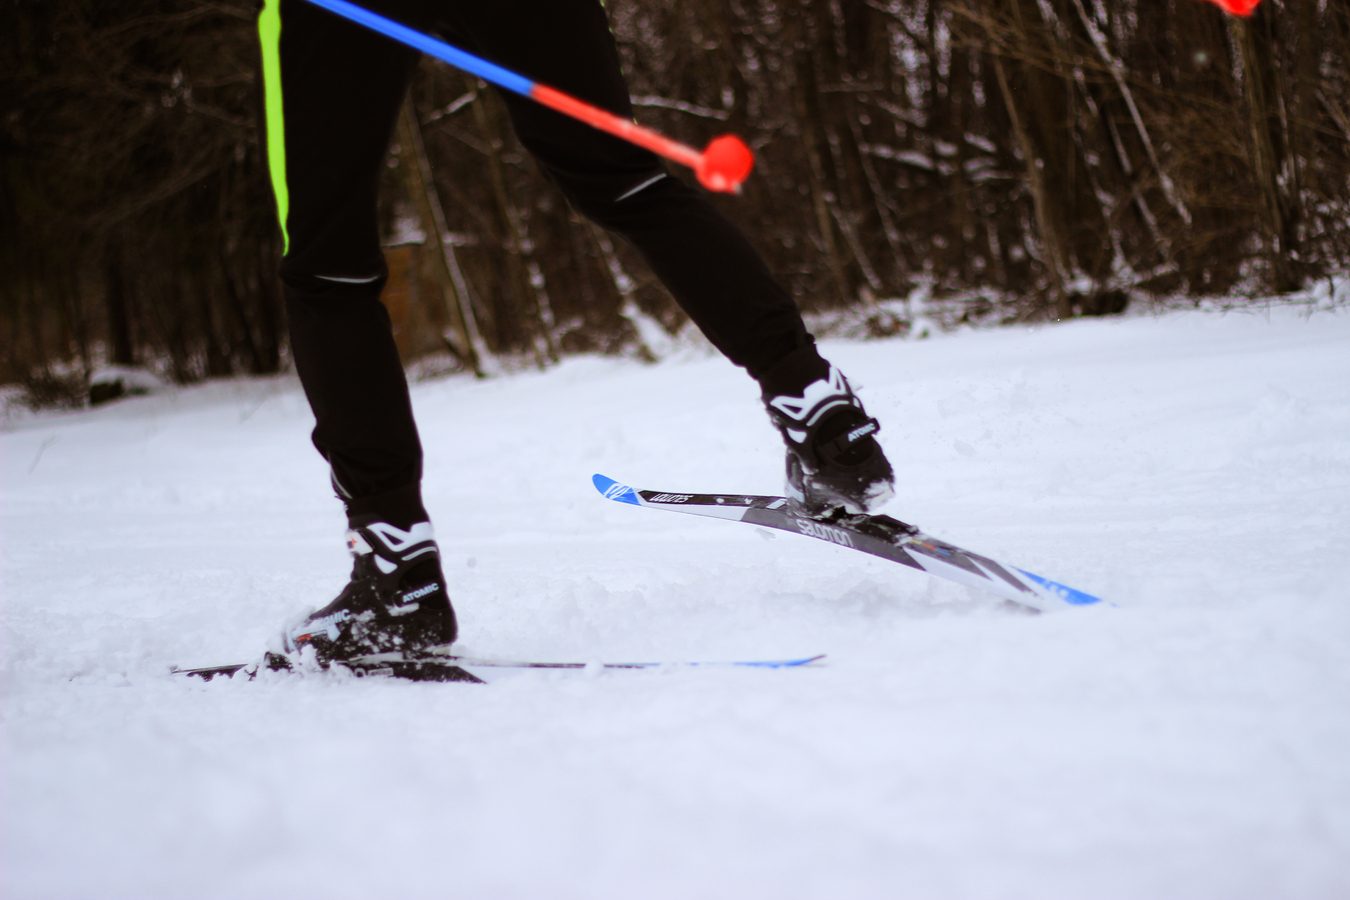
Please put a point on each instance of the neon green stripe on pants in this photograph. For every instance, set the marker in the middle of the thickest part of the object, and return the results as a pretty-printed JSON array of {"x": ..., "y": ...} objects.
[{"x": 269, "y": 32}]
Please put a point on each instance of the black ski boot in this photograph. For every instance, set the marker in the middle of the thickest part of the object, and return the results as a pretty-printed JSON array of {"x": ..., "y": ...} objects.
[
  {"x": 833, "y": 461},
  {"x": 396, "y": 602}
]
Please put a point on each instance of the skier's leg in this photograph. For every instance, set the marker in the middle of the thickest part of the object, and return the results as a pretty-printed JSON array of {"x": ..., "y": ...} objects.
[
  {"x": 333, "y": 95},
  {"x": 333, "y": 92},
  {"x": 705, "y": 261}
]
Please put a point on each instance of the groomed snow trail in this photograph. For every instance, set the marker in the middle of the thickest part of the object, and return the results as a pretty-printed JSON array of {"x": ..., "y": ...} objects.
[{"x": 1193, "y": 468}]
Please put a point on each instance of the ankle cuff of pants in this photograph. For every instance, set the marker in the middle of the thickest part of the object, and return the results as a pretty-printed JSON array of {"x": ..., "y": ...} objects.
[
  {"x": 790, "y": 375},
  {"x": 401, "y": 508}
]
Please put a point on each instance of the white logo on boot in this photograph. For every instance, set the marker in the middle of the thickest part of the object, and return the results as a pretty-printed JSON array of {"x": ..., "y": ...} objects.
[
  {"x": 408, "y": 602},
  {"x": 397, "y": 540},
  {"x": 818, "y": 398}
]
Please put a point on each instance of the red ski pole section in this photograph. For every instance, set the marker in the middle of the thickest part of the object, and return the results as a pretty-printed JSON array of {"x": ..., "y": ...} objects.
[
  {"x": 714, "y": 174},
  {"x": 1237, "y": 7}
]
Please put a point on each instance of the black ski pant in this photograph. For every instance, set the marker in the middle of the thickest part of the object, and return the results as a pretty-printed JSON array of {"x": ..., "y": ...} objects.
[{"x": 334, "y": 90}]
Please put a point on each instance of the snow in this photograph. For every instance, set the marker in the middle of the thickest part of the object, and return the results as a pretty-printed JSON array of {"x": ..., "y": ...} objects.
[{"x": 1191, "y": 741}]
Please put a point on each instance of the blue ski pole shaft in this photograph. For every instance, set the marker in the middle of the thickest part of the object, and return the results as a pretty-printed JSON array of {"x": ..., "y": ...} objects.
[
  {"x": 418, "y": 41},
  {"x": 721, "y": 166}
]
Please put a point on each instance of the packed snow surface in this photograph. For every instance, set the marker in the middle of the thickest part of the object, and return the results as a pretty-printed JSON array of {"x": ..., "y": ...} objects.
[{"x": 1191, "y": 740}]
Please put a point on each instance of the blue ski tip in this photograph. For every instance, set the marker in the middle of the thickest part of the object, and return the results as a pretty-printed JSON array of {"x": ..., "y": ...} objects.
[
  {"x": 781, "y": 663},
  {"x": 620, "y": 493},
  {"x": 1067, "y": 594}
]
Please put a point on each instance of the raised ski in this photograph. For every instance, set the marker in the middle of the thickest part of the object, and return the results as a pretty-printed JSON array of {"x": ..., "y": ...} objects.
[{"x": 878, "y": 535}]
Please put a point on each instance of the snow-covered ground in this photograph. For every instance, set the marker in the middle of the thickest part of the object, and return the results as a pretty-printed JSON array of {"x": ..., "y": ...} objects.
[{"x": 1192, "y": 741}]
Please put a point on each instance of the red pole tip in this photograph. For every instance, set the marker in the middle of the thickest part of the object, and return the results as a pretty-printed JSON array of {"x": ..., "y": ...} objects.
[
  {"x": 1237, "y": 7},
  {"x": 725, "y": 163}
]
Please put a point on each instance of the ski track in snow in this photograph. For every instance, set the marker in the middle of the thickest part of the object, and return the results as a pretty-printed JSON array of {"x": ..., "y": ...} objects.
[{"x": 1193, "y": 741}]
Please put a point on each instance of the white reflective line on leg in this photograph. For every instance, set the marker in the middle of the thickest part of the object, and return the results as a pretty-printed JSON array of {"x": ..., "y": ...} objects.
[
  {"x": 648, "y": 183},
  {"x": 349, "y": 280}
]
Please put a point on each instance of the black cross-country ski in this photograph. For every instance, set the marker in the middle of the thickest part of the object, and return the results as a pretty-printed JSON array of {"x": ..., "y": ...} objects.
[
  {"x": 878, "y": 535},
  {"x": 452, "y": 668},
  {"x": 490, "y": 663}
]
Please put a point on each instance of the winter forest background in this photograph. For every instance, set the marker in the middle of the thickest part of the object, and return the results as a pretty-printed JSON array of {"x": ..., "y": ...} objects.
[{"x": 1026, "y": 159}]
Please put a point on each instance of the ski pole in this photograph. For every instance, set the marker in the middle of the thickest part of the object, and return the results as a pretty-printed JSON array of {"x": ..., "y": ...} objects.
[
  {"x": 721, "y": 166},
  {"x": 1242, "y": 8}
]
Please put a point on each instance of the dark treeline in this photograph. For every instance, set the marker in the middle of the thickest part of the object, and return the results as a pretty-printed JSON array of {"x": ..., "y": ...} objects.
[
  {"x": 137, "y": 220},
  {"x": 1054, "y": 156}
]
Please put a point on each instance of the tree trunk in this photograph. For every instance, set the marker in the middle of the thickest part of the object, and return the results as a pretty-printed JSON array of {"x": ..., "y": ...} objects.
[
  {"x": 1050, "y": 243},
  {"x": 120, "y": 346},
  {"x": 1256, "y": 65},
  {"x": 468, "y": 344}
]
